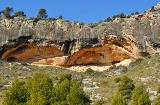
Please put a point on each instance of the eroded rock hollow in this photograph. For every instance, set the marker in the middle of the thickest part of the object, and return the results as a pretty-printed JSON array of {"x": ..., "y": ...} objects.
[{"x": 107, "y": 50}]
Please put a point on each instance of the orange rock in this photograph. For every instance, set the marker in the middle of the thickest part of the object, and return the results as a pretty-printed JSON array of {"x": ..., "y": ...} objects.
[{"x": 112, "y": 50}]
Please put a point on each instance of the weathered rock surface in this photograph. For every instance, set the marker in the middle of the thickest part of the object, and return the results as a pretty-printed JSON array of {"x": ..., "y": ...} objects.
[
  {"x": 72, "y": 52},
  {"x": 60, "y": 42}
]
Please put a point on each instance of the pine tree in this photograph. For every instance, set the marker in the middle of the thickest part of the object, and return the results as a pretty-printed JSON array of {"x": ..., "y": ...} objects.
[
  {"x": 7, "y": 12},
  {"x": 39, "y": 89},
  {"x": 77, "y": 95},
  {"x": 126, "y": 87},
  {"x": 15, "y": 95},
  {"x": 19, "y": 14},
  {"x": 118, "y": 100},
  {"x": 140, "y": 96},
  {"x": 42, "y": 13}
]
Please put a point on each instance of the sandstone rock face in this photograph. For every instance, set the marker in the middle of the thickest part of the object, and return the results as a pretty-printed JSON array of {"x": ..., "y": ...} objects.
[
  {"x": 30, "y": 53},
  {"x": 66, "y": 43}
]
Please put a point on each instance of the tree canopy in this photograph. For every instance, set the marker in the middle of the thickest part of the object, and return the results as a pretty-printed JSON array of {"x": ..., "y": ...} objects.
[
  {"x": 126, "y": 87},
  {"x": 7, "y": 12},
  {"x": 42, "y": 13},
  {"x": 140, "y": 96},
  {"x": 118, "y": 100},
  {"x": 39, "y": 90},
  {"x": 19, "y": 14}
]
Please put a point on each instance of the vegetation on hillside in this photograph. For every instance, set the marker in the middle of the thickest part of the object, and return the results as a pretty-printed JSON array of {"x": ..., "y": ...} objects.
[
  {"x": 39, "y": 90},
  {"x": 118, "y": 84}
]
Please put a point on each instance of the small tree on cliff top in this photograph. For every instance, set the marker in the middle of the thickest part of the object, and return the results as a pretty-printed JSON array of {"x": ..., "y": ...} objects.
[
  {"x": 7, "y": 12},
  {"x": 42, "y": 13}
]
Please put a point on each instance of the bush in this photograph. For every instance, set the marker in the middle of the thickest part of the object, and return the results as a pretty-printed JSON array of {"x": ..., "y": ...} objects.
[
  {"x": 120, "y": 67},
  {"x": 116, "y": 80},
  {"x": 118, "y": 100},
  {"x": 24, "y": 64},
  {"x": 89, "y": 71},
  {"x": 39, "y": 90},
  {"x": 15, "y": 95},
  {"x": 140, "y": 96},
  {"x": 126, "y": 87},
  {"x": 137, "y": 61}
]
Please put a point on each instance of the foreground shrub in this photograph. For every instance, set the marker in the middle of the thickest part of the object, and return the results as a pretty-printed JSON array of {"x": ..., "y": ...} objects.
[
  {"x": 118, "y": 100},
  {"x": 15, "y": 95},
  {"x": 126, "y": 87},
  {"x": 39, "y": 90},
  {"x": 116, "y": 80},
  {"x": 140, "y": 96}
]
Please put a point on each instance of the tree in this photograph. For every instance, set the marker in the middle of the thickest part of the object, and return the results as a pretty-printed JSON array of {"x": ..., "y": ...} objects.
[
  {"x": 39, "y": 89},
  {"x": 157, "y": 101},
  {"x": 126, "y": 87},
  {"x": 128, "y": 16},
  {"x": 140, "y": 96},
  {"x": 144, "y": 99},
  {"x": 137, "y": 13},
  {"x": 19, "y": 14},
  {"x": 108, "y": 19},
  {"x": 65, "y": 76},
  {"x": 118, "y": 100},
  {"x": 77, "y": 95},
  {"x": 122, "y": 15},
  {"x": 69, "y": 92},
  {"x": 152, "y": 9},
  {"x": 15, "y": 95},
  {"x": 115, "y": 16},
  {"x": 42, "y": 13},
  {"x": 60, "y": 17},
  {"x": 7, "y": 12}
]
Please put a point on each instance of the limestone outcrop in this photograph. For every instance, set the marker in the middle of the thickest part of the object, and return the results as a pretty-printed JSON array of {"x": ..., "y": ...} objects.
[
  {"x": 108, "y": 50},
  {"x": 60, "y": 42}
]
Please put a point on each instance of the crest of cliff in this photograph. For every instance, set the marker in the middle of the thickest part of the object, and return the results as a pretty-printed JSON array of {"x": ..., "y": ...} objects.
[{"x": 66, "y": 43}]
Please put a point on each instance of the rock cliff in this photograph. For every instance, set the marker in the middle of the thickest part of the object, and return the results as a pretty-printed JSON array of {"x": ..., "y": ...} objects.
[{"x": 66, "y": 43}]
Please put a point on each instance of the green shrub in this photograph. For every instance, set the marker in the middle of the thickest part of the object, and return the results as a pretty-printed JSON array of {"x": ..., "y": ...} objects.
[
  {"x": 140, "y": 96},
  {"x": 15, "y": 95},
  {"x": 136, "y": 62},
  {"x": 24, "y": 64},
  {"x": 89, "y": 71},
  {"x": 39, "y": 90},
  {"x": 118, "y": 100},
  {"x": 116, "y": 80},
  {"x": 126, "y": 87}
]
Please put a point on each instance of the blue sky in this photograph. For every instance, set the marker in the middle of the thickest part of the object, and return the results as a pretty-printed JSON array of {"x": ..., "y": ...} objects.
[{"x": 79, "y": 10}]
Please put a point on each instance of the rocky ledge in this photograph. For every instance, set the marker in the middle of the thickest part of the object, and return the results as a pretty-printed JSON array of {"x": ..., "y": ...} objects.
[{"x": 108, "y": 50}]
